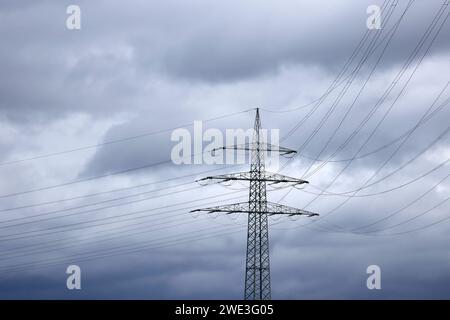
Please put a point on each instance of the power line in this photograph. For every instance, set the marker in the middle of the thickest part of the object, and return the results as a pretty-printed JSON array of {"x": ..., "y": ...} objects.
[
  {"x": 410, "y": 59},
  {"x": 394, "y": 29},
  {"x": 88, "y": 205},
  {"x": 377, "y": 232},
  {"x": 393, "y": 84},
  {"x": 361, "y": 62},
  {"x": 350, "y": 108},
  {"x": 64, "y": 184},
  {"x": 14, "y": 194},
  {"x": 349, "y": 79},
  {"x": 140, "y": 223},
  {"x": 440, "y": 165},
  {"x": 365, "y": 226},
  {"x": 390, "y": 143},
  {"x": 425, "y": 226},
  {"x": 30, "y": 232},
  {"x": 117, "y": 235},
  {"x": 110, "y": 191},
  {"x": 110, "y": 142},
  {"x": 117, "y": 251}
]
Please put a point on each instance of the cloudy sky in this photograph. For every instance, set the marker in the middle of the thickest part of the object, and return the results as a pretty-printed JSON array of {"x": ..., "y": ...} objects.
[{"x": 86, "y": 176}]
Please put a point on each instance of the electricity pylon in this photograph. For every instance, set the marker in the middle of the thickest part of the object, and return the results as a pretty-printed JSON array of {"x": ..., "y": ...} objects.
[{"x": 257, "y": 270}]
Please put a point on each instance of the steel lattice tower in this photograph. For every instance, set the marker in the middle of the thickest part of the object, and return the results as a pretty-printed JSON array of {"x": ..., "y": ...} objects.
[{"x": 257, "y": 266}]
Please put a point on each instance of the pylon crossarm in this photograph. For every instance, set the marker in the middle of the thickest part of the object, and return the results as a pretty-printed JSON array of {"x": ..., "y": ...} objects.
[
  {"x": 272, "y": 209},
  {"x": 241, "y": 207},
  {"x": 225, "y": 178},
  {"x": 276, "y": 209},
  {"x": 272, "y": 178},
  {"x": 276, "y": 178},
  {"x": 262, "y": 146}
]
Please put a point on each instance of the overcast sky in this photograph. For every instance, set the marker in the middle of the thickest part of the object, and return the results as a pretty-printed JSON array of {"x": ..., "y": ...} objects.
[{"x": 136, "y": 67}]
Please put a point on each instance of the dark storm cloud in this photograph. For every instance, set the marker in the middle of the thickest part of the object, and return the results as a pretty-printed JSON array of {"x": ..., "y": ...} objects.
[
  {"x": 232, "y": 41},
  {"x": 108, "y": 67}
]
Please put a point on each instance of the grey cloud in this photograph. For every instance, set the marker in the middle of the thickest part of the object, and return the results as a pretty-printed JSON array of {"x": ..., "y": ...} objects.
[{"x": 140, "y": 67}]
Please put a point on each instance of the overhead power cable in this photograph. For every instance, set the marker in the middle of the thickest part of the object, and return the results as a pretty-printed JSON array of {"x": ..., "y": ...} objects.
[{"x": 110, "y": 142}]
